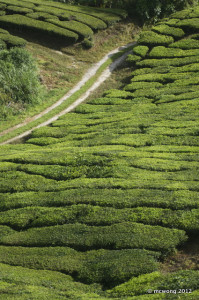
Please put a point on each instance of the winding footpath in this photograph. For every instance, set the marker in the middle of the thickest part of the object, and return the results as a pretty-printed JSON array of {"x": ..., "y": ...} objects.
[{"x": 88, "y": 75}]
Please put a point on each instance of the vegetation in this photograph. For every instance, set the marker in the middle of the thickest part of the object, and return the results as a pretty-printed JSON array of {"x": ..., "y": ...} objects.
[
  {"x": 102, "y": 195},
  {"x": 143, "y": 9},
  {"x": 19, "y": 81},
  {"x": 49, "y": 19}
]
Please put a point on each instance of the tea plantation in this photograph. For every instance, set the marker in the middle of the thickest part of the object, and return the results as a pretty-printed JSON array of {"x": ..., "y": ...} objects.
[
  {"x": 91, "y": 204},
  {"x": 66, "y": 23}
]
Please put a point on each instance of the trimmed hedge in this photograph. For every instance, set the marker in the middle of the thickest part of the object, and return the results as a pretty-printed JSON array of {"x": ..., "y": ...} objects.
[
  {"x": 109, "y": 267},
  {"x": 19, "y": 22},
  {"x": 66, "y": 15},
  {"x": 94, "y": 215},
  {"x": 43, "y": 16},
  {"x": 2, "y": 6},
  {"x": 26, "y": 4},
  {"x": 141, "y": 50},
  {"x": 107, "y": 16},
  {"x": 188, "y": 43},
  {"x": 81, "y": 29},
  {"x": 167, "y": 30},
  {"x": 18, "y": 10},
  {"x": 2, "y": 44},
  {"x": 183, "y": 279},
  {"x": 132, "y": 59},
  {"x": 108, "y": 197},
  {"x": 2, "y": 13},
  {"x": 189, "y": 24},
  {"x": 161, "y": 51},
  {"x": 83, "y": 237},
  {"x": 20, "y": 281},
  {"x": 150, "y": 38},
  {"x": 12, "y": 41},
  {"x": 176, "y": 62}
]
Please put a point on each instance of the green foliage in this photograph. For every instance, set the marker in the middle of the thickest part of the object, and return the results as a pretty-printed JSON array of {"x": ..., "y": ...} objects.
[
  {"x": 19, "y": 281},
  {"x": 161, "y": 51},
  {"x": 94, "y": 22},
  {"x": 116, "y": 179},
  {"x": 167, "y": 30},
  {"x": 108, "y": 197},
  {"x": 189, "y": 24},
  {"x": 176, "y": 62},
  {"x": 19, "y": 76},
  {"x": 26, "y": 4},
  {"x": 24, "y": 218},
  {"x": 2, "y": 6},
  {"x": 28, "y": 24},
  {"x": 81, "y": 29},
  {"x": 43, "y": 16},
  {"x": 87, "y": 43},
  {"x": 185, "y": 44},
  {"x": 113, "y": 267},
  {"x": 156, "y": 8},
  {"x": 141, "y": 50},
  {"x": 2, "y": 45},
  {"x": 12, "y": 41},
  {"x": 18, "y": 10},
  {"x": 83, "y": 237},
  {"x": 150, "y": 38},
  {"x": 132, "y": 59},
  {"x": 187, "y": 279}
]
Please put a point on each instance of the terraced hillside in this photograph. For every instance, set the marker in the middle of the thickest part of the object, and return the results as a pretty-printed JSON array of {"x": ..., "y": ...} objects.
[
  {"x": 66, "y": 23},
  {"x": 92, "y": 204}
]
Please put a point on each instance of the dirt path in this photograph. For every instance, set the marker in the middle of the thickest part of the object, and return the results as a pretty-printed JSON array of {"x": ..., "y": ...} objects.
[{"x": 90, "y": 73}]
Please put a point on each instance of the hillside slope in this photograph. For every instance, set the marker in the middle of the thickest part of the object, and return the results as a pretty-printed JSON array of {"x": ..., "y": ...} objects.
[{"x": 106, "y": 192}]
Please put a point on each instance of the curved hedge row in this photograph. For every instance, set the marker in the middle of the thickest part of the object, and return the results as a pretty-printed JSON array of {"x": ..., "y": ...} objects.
[
  {"x": 22, "y": 22},
  {"x": 79, "y": 19}
]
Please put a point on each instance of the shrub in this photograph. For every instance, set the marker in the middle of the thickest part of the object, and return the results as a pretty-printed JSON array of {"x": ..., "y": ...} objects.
[
  {"x": 81, "y": 29},
  {"x": 19, "y": 22},
  {"x": 43, "y": 16},
  {"x": 186, "y": 44},
  {"x": 12, "y": 41},
  {"x": 93, "y": 22},
  {"x": 87, "y": 44},
  {"x": 183, "y": 279},
  {"x": 113, "y": 93},
  {"x": 19, "y": 76},
  {"x": 132, "y": 59},
  {"x": 26, "y": 4},
  {"x": 161, "y": 51},
  {"x": 150, "y": 38},
  {"x": 81, "y": 237},
  {"x": 109, "y": 267},
  {"x": 142, "y": 86},
  {"x": 2, "y": 45},
  {"x": 23, "y": 280},
  {"x": 189, "y": 24},
  {"x": 24, "y": 218},
  {"x": 18, "y": 10},
  {"x": 2, "y": 6},
  {"x": 108, "y": 197},
  {"x": 167, "y": 30},
  {"x": 2, "y": 13},
  {"x": 108, "y": 17},
  {"x": 141, "y": 50},
  {"x": 184, "y": 14},
  {"x": 176, "y": 62}
]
